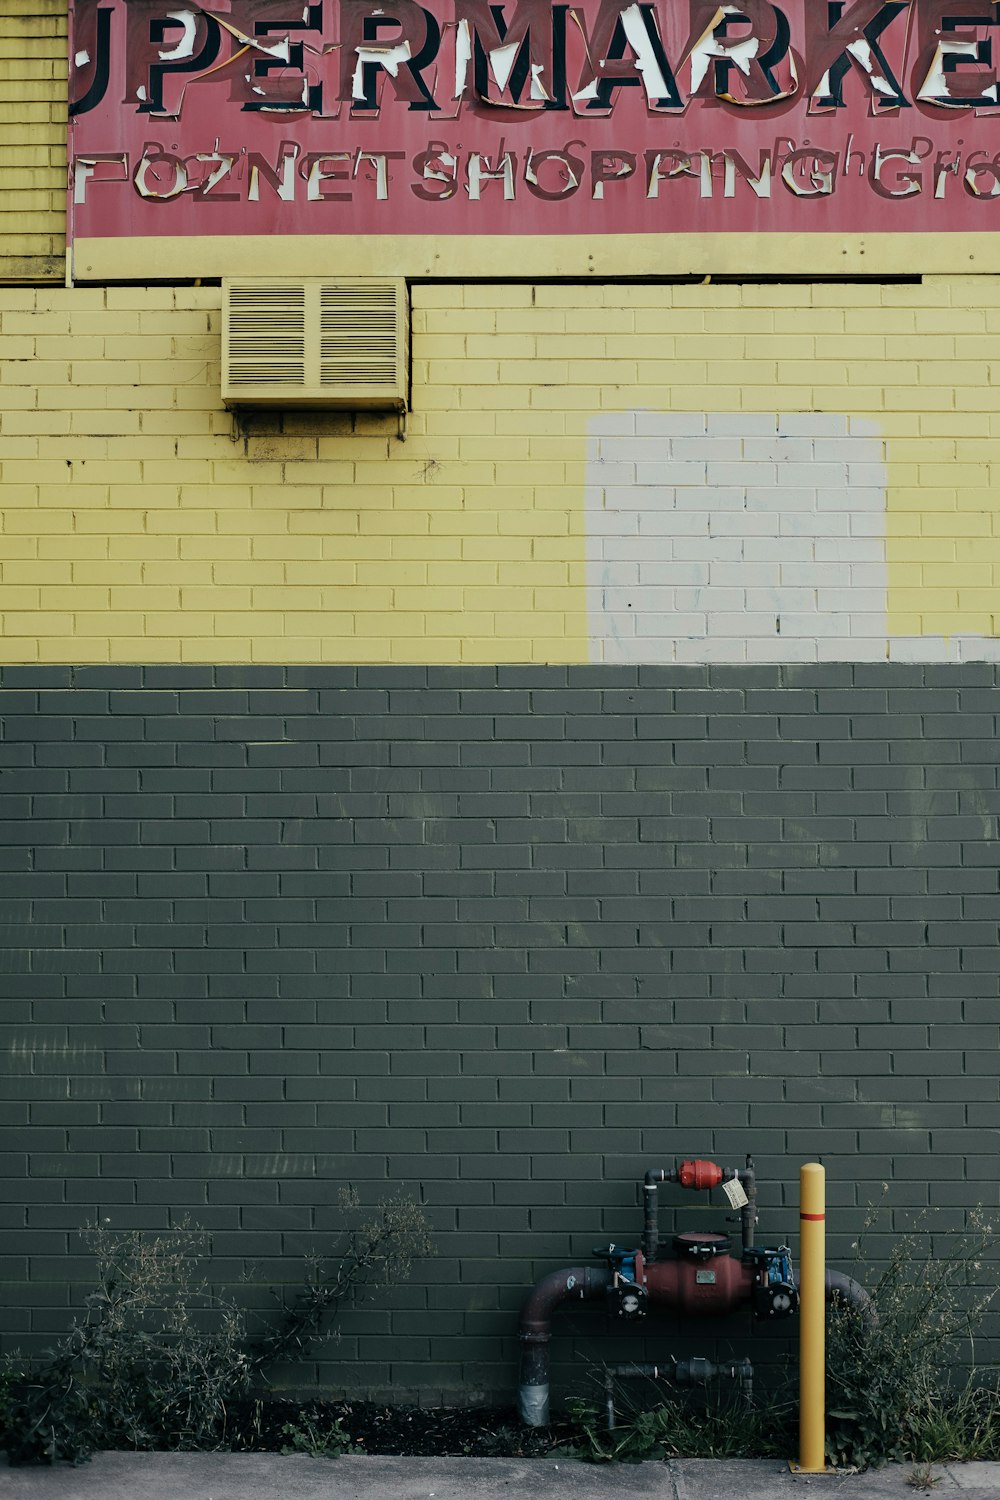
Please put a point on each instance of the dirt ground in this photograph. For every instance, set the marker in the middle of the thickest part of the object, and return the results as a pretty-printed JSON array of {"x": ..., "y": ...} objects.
[{"x": 365, "y": 1427}]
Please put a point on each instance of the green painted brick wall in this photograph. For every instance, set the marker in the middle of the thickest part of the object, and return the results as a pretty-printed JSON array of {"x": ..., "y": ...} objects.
[{"x": 501, "y": 936}]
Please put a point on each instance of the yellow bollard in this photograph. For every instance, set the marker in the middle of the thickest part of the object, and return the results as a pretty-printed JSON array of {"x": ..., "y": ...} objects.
[{"x": 812, "y": 1319}]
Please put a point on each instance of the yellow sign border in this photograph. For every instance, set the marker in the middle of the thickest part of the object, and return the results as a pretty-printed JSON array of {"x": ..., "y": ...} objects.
[{"x": 533, "y": 257}]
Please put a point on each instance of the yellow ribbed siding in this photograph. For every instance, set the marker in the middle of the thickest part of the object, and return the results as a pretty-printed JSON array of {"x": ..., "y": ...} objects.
[{"x": 33, "y": 70}]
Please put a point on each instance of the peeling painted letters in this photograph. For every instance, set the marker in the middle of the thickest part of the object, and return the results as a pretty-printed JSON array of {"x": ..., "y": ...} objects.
[{"x": 520, "y": 116}]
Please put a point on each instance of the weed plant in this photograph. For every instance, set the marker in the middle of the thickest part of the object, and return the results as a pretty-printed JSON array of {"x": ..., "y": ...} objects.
[
  {"x": 685, "y": 1424},
  {"x": 157, "y": 1359},
  {"x": 380, "y": 1250},
  {"x": 317, "y": 1436},
  {"x": 891, "y": 1384}
]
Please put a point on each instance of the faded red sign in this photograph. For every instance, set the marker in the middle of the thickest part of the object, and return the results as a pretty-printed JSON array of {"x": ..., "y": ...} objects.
[{"x": 464, "y": 117}]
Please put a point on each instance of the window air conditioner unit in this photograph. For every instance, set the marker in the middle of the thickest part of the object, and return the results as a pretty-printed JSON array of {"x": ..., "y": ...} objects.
[{"x": 315, "y": 341}]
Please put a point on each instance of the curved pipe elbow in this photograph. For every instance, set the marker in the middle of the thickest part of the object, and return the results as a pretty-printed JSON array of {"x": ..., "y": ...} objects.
[
  {"x": 842, "y": 1288},
  {"x": 535, "y": 1332},
  {"x": 581, "y": 1282}
]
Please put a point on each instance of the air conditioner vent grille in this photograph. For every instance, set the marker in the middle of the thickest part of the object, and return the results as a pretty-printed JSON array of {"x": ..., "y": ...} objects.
[{"x": 315, "y": 342}]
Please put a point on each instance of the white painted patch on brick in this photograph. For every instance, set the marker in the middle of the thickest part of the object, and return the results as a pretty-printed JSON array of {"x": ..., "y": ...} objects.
[
  {"x": 954, "y": 648},
  {"x": 742, "y": 536}
]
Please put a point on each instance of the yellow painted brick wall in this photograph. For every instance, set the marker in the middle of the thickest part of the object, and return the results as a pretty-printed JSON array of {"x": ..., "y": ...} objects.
[
  {"x": 33, "y": 71},
  {"x": 137, "y": 527}
]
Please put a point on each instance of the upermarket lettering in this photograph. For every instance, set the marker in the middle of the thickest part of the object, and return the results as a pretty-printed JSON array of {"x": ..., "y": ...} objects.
[{"x": 353, "y": 57}]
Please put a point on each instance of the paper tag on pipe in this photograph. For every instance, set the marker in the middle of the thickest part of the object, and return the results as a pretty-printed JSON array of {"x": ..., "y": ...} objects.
[{"x": 733, "y": 1190}]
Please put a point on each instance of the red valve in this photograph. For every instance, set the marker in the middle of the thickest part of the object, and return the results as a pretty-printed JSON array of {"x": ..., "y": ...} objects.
[{"x": 699, "y": 1174}]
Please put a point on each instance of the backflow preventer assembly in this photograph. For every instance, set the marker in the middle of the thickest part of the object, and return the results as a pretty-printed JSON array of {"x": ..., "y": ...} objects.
[{"x": 702, "y": 1277}]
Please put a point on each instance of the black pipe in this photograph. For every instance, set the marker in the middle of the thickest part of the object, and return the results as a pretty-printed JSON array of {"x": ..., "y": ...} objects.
[
  {"x": 609, "y": 1397},
  {"x": 843, "y": 1288},
  {"x": 748, "y": 1213},
  {"x": 694, "y": 1371},
  {"x": 535, "y": 1332},
  {"x": 651, "y": 1225}
]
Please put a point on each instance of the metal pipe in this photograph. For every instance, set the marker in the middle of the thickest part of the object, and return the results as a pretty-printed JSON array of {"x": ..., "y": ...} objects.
[
  {"x": 683, "y": 1372},
  {"x": 535, "y": 1332},
  {"x": 609, "y": 1397},
  {"x": 845, "y": 1289},
  {"x": 651, "y": 1223},
  {"x": 682, "y": 1284},
  {"x": 748, "y": 1213}
]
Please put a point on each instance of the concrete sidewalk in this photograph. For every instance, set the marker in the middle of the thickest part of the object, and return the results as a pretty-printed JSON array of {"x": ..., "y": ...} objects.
[{"x": 270, "y": 1476}]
